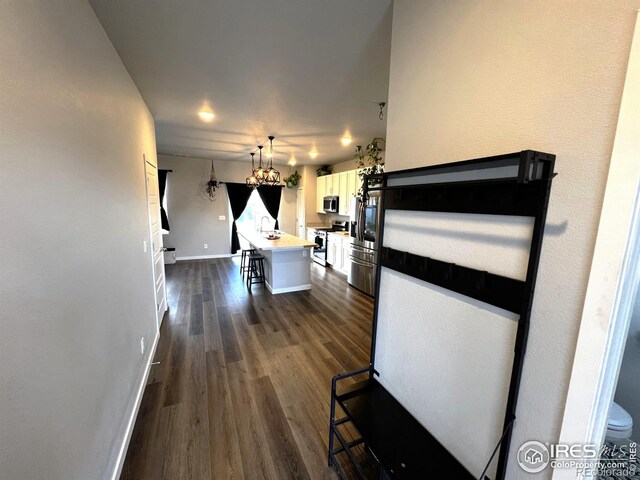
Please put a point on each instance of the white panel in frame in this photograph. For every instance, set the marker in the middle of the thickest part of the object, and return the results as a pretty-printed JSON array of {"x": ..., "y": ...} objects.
[
  {"x": 447, "y": 359},
  {"x": 496, "y": 243}
]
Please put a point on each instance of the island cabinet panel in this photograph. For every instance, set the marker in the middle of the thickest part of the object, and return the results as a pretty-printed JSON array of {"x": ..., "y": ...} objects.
[{"x": 287, "y": 260}]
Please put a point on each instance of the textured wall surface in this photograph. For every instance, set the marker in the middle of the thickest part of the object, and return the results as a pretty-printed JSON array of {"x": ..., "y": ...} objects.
[
  {"x": 194, "y": 218},
  {"x": 77, "y": 287},
  {"x": 477, "y": 79}
]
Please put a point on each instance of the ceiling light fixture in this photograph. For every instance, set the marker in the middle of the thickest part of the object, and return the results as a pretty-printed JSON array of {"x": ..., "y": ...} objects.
[
  {"x": 346, "y": 140},
  {"x": 313, "y": 153},
  {"x": 292, "y": 160},
  {"x": 252, "y": 180},
  {"x": 272, "y": 176},
  {"x": 260, "y": 171},
  {"x": 206, "y": 115}
]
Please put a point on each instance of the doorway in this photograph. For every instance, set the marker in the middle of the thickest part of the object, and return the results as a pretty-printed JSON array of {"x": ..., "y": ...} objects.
[{"x": 155, "y": 227}]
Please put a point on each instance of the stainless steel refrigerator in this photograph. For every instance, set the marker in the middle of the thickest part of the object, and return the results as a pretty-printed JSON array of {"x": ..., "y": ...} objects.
[{"x": 363, "y": 254}]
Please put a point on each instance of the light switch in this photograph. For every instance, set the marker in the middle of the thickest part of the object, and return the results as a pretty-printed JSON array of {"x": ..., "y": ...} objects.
[
  {"x": 221, "y": 217},
  {"x": 144, "y": 245}
]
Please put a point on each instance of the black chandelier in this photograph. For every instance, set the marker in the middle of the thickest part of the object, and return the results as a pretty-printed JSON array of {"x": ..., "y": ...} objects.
[
  {"x": 252, "y": 180},
  {"x": 272, "y": 176},
  {"x": 263, "y": 174}
]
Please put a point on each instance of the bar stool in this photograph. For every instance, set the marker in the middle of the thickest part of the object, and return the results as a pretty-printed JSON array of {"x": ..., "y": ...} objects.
[
  {"x": 255, "y": 270},
  {"x": 244, "y": 263}
]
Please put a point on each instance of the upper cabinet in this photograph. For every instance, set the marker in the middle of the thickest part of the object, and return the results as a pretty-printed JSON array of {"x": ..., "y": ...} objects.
[
  {"x": 321, "y": 188},
  {"x": 343, "y": 193},
  {"x": 344, "y": 185},
  {"x": 335, "y": 184}
]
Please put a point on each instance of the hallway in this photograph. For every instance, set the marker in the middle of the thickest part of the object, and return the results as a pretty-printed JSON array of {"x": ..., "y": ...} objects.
[{"x": 243, "y": 385}]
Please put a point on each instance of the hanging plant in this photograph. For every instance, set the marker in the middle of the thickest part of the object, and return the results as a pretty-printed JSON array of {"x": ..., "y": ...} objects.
[
  {"x": 212, "y": 185},
  {"x": 369, "y": 161},
  {"x": 292, "y": 180}
]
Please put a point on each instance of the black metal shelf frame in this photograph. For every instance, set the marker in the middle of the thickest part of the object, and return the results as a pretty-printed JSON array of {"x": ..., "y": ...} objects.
[{"x": 525, "y": 194}]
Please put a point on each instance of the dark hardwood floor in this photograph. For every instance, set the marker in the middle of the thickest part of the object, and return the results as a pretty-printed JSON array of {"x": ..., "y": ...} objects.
[{"x": 243, "y": 386}]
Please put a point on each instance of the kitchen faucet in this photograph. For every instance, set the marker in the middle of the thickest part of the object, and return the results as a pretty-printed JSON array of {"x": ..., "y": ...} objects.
[{"x": 263, "y": 217}]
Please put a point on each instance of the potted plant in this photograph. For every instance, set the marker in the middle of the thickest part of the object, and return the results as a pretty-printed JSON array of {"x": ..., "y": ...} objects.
[
  {"x": 369, "y": 160},
  {"x": 212, "y": 185},
  {"x": 323, "y": 170},
  {"x": 292, "y": 180}
]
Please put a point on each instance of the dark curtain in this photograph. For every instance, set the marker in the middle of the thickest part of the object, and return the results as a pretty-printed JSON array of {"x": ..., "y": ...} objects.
[
  {"x": 239, "y": 195},
  {"x": 162, "y": 186},
  {"x": 271, "y": 198}
]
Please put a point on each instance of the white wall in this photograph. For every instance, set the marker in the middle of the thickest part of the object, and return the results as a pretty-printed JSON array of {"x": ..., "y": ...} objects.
[
  {"x": 476, "y": 79},
  {"x": 309, "y": 184},
  {"x": 344, "y": 166},
  {"x": 611, "y": 289},
  {"x": 628, "y": 390},
  {"x": 193, "y": 218},
  {"x": 76, "y": 288}
]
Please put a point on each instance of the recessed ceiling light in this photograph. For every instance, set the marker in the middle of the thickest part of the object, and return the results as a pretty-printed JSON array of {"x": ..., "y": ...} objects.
[
  {"x": 206, "y": 115},
  {"x": 292, "y": 160},
  {"x": 346, "y": 140},
  {"x": 313, "y": 153}
]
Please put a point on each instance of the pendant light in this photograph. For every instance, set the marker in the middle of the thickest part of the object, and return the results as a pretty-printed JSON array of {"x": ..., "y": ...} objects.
[
  {"x": 252, "y": 181},
  {"x": 260, "y": 172},
  {"x": 272, "y": 176}
]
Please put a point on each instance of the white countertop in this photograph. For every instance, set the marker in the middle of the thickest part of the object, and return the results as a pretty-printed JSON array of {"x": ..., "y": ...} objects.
[{"x": 285, "y": 242}]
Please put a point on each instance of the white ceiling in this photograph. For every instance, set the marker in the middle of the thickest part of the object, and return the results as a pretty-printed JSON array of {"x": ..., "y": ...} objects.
[{"x": 305, "y": 71}]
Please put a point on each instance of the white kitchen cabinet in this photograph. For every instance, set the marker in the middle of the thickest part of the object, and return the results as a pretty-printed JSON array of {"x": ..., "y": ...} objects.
[
  {"x": 311, "y": 234},
  {"x": 343, "y": 193},
  {"x": 328, "y": 184},
  {"x": 357, "y": 181},
  {"x": 332, "y": 240},
  {"x": 344, "y": 185},
  {"x": 321, "y": 186},
  {"x": 335, "y": 184},
  {"x": 352, "y": 183},
  {"x": 346, "y": 262},
  {"x": 332, "y": 185},
  {"x": 338, "y": 252}
]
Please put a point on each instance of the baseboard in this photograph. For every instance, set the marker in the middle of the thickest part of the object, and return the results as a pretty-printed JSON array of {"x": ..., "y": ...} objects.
[
  {"x": 203, "y": 257},
  {"x": 132, "y": 418},
  {"x": 276, "y": 291}
]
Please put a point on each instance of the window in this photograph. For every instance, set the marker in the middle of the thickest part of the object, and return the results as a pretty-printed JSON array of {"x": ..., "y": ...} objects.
[
  {"x": 253, "y": 215},
  {"x": 164, "y": 206}
]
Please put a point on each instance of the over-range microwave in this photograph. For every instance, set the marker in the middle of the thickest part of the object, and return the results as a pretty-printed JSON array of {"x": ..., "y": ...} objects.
[{"x": 330, "y": 204}]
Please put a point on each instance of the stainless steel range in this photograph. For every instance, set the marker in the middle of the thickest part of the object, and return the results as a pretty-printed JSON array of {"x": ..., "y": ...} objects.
[{"x": 320, "y": 238}]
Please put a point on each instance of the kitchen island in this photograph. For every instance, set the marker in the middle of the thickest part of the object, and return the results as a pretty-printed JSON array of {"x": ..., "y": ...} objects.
[{"x": 287, "y": 260}]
